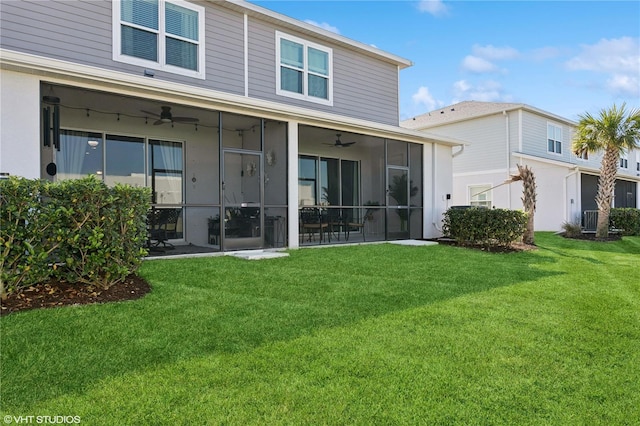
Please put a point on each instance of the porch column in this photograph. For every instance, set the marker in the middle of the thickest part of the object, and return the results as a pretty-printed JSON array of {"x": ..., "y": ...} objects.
[
  {"x": 428, "y": 185},
  {"x": 292, "y": 196},
  {"x": 20, "y": 124}
]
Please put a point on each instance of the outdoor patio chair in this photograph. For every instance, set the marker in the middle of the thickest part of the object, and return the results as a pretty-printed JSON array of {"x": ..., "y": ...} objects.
[
  {"x": 163, "y": 225},
  {"x": 312, "y": 220},
  {"x": 350, "y": 224}
]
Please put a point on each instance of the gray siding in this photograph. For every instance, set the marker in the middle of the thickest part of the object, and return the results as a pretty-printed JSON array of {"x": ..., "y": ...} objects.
[
  {"x": 80, "y": 32},
  {"x": 534, "y": 135},
  {"x": 362, "y": 87},
  {"x": 487, "y": 137}
]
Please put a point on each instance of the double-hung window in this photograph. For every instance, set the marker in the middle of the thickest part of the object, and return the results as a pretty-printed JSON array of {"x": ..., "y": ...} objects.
[
  {"x": 303, "y": 69},
  {"x": 480, "y": 196},
  {"x": 554, "y": 139},
  {"x": 624, "y": 161},
  {"x": 165, "y": 35}
]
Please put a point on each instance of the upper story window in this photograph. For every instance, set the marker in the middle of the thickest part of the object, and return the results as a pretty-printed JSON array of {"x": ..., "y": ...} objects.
[
  {"x": 166, "y": 35},
  {"x": 554, "y": 139},
  {"x": 624, "y": 162},
  {"x": 303, "y": 69}
]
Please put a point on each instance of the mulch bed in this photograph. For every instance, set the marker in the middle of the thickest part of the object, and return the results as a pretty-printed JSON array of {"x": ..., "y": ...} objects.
[
  {"x": 512, "y": 248},
  {"x": 592, "y": 237},
  {"x": 58, "y": 293}
]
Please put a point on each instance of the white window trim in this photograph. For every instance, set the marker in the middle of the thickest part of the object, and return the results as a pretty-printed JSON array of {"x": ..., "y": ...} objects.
[
  {"x": 624, "y": 162},
  {"x": 304, "y": 96},
  {"x": 489, "y": 191},
  {"x": 161, "y": 65},
  {"x": 562, "y": 147}
]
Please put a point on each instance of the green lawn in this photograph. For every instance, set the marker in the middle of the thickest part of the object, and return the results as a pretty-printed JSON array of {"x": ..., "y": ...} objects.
[{"x": 376, "y": 334}]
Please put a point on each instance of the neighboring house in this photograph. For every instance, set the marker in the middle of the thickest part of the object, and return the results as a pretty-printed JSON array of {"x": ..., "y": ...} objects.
[
  {"x": 227, "y": 110},
  {"x": 503, "y": 135}
]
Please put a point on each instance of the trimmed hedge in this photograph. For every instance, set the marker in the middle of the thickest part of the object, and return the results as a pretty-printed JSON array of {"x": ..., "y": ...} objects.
[
  {"x": 80, "y": 231},
  {"x": 485, "y": 227},
  {"x": 627, "y": 219}
]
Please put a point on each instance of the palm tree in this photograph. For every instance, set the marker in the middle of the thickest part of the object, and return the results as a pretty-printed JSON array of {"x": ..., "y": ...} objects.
[
  {"x": 614, "y": 131},
  {"x": 528, "y": 201}
]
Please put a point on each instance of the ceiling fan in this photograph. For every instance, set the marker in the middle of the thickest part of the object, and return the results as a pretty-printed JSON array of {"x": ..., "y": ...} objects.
[
  {"x": 165, "y": 116},
  {"x": 339, "y": 144}
]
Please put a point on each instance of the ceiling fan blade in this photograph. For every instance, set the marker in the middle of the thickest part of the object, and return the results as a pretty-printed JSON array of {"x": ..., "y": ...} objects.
[
  {"x": 158, "y": 122},
  {"x": 346, "y": 144},
  {"x": 150, "y": 113},
  {"x": 185, "y": 119}
]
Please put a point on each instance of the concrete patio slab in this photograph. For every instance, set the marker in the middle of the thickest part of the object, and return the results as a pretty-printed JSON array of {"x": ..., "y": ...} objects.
[{"x": 413, "y": 243}]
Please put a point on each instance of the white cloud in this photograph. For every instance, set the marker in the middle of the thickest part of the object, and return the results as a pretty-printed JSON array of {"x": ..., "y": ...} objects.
[
  {"x": 486, "y": 91},
  {"x": 433, "y": 7},
  {"x": 324, "y": 26},
  {"x": 483, "y": 58},
  {"x": 424, "y": 97},
  {"x": 624, "y": 85},
  {"x": 495, "y": 53},
  {"x": 614, "y": 55},
  {"x": 619, "y": 58},
  {"x": 477, "y": 64}
]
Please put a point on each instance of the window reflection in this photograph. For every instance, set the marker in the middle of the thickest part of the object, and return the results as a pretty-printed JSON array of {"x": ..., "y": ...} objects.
[
  {"x": 80, "y": 154},
  {"x": 124, "y": 160}
]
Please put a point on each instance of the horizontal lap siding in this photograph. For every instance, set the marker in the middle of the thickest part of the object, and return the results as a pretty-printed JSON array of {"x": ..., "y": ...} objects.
[
  {"x": 362, "y": 87},
  {"x": 534, "y": 138},
  {"x": 225, "y": 50},
  {"x": 365, "y": 88},
  {"x": 487, "y": 149},
  {"x": 80, "y": 32},
  {"x": 72, "y": 31}
]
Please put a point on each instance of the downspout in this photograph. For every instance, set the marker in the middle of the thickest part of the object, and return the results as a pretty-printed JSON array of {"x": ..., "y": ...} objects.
[
  {"x": 565, "y": 193},
  {"x": 455, "y": 154},
  {"x": 433, "y": 186}
]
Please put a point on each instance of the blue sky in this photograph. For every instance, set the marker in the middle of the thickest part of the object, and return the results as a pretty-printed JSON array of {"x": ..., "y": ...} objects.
[{"x": 565, "y": 57}]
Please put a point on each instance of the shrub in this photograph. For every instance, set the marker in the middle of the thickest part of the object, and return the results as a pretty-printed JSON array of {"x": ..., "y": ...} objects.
[
  {"x": 486, "y": 227},
  {"x": 627, "y": 219},
  {"x": 572, "y": 229},
  {"x": 25, "y": 249},
  {"x": 102, "y": 230},
  {"x": 78, "y": 230}
]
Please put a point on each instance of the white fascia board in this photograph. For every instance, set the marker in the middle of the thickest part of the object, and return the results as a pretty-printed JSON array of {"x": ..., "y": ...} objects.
[
  {"x": 63, "y": 72},
  {"x": 253, "y": 9},
  {"x": 548, "y": 161},
  {"x": 518, "y": 107}
]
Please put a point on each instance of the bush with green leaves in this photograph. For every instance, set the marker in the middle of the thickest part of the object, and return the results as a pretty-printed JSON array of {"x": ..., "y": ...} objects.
[
  {"x": 572, "y": 229},
  {"x": 24, "y": 227},
  {"x": 626, "y": 219},
  {"x": 80, "y": 231},
  {"x": 485, "y": 227}
]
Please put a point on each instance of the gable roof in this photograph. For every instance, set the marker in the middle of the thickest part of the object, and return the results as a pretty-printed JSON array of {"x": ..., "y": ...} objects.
[{"x": 468, "y": 110}]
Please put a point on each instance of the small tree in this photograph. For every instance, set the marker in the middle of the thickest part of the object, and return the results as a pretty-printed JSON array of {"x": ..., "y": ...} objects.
[{"x": 613, "y": 131}]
